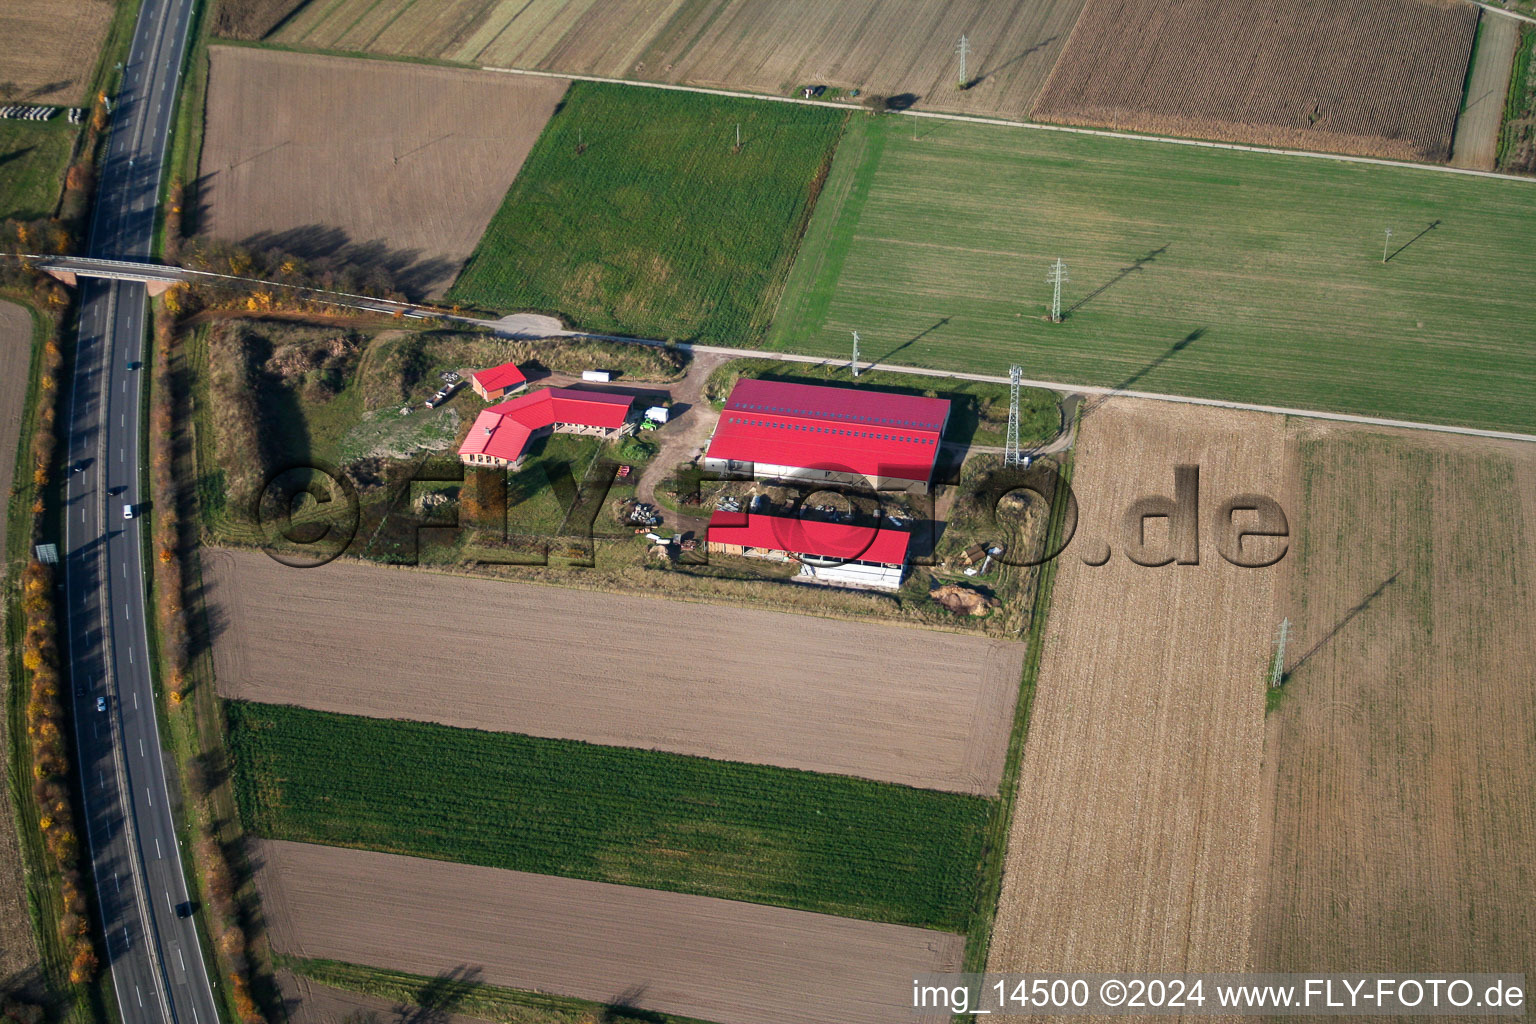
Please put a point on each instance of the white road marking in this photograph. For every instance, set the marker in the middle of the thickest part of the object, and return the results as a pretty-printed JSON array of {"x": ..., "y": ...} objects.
[
  {"x": 135, "y": 700},
  {"x": 116, "y": 886},
  {"x": 130, "y": 650},
  {"x": 151, "y": 797},
  {"x": 179, "y": 957},
  {"x": 135, "y": 988},
  {"x": 141, "y": 746},
  {"x": 158, "y": 854}
]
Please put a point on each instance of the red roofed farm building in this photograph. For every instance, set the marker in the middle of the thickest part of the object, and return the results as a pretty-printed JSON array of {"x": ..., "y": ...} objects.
[
  {"x": 501, "y": 433},
  {"x": 495, "y": 383},
  {"x": 862, "y": 556},
  {"x": 815, "y": 433}
]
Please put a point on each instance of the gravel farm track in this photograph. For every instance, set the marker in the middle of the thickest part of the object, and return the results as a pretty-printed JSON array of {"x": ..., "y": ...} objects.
[
  {"x": 720, "y": 960},
  {"x": 404, "y": 163},
  {"x": 1376, "y": 78},
  {"x": 896, "y": 704},
  {"x": 1133, "y": 836},
  {"x": 1477, "y": 129}
]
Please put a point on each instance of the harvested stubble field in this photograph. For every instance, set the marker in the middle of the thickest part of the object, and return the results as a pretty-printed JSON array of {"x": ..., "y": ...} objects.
[
  {"x": 1402, "y": 832},
  {"x": 636, "y": 213},
  {"x": 735, "y": 963},
  {"x": 1377, "y": 77},
  {"x": 1212, "y": 273},
  {"x": 895, "y": 704},
  {"x": 889, "y": 47},
  {"x": 385, "y": 163},
  {"x": 823, "y": 843},
  {"x": 1134, "y": 832},
  {"x": 51, "y": 47}
]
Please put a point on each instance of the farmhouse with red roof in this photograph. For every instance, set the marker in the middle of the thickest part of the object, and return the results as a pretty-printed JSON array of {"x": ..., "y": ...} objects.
[
  {"x": 494, "y": 384},
  {"x": 863, "y": 556},
  {"x": 814, "y": 433},
  {"x": 501, "y": 433}
]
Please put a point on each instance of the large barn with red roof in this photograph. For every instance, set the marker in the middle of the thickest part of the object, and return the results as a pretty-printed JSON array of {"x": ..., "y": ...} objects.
[
  {"x": 501, "y": 433},
  {"x": 819, "y": 434},
  {"x": 862, "y": 556}
]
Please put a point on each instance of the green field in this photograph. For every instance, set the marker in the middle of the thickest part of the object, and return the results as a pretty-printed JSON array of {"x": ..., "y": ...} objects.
[
  {"x": 657, "y": 227},
  {"x": 1201, "y": 272},
  {"x": 824, "y": 843},
  {"x": 33, "y": 158}
]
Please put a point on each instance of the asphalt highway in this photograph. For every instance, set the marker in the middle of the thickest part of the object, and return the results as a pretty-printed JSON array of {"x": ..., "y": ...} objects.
[{"x": 153, "y": 952}]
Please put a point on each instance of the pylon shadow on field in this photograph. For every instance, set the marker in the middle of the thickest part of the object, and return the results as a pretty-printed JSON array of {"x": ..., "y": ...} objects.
[
  {"x": 916, "y": 337},
  {"x": 1432, "y": 225},
  {"x": 1139, "y": 263},
  {"x": 986, "y": 73},
  {"x": 1348, "y": 616},
  {"x": 1135, "y": 378}
]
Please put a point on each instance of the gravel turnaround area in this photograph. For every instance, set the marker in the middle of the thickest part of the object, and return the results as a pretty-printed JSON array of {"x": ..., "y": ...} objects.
[
  {"x": 895, "y": 704},
  {"x": 735, "y": 963}
]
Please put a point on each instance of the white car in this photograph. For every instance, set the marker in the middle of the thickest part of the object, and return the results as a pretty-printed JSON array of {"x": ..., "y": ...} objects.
[
  {"x": 101, "y": 703},
  {"x": 129, "y": 511}
]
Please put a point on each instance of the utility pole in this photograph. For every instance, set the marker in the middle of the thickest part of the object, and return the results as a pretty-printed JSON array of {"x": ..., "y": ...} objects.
[
  {"x": 1055, "y": 276},
  {"x": 1277, "y": 670},
  {"x": 738, "y": 135},
  {"x": 1012, "y": 456},
  {"x": 963, "y": 49},
  {"x": 1385, "y": 244},
  {"x": 855, "y": 353}
]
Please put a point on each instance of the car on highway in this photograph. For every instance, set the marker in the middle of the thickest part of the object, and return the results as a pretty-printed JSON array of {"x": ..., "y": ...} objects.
[
  {"x": 134, "y": 364},
  {"x": 129, "y": 511},
  {"x": 101, "y": 703}
]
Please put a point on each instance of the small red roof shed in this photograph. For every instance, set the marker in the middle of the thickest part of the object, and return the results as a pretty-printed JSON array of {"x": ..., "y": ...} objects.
[{"x": 797, "y": 536}]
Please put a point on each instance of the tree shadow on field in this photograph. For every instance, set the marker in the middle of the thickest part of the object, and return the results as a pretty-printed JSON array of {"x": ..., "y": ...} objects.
[
  {"x": 1348, "y": 616},
  {"x": 624, "y": 1009},
  {"x": 1139, "y": 263},
  {"x": 406, "y": 269},
  {"x": 437, "y": 1000},
  {"x": 986, "y": 73},
  {"x": 1135, "y": 378}
]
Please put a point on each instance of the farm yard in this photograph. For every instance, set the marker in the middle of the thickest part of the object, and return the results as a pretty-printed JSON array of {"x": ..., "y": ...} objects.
[
  {"x": 408, "y": 184},
  {"x": 637, "y": 214},
  {"x": 1382, "y": 78},
  {"x": 661, "y": 952},
  {"x": 902, "y": 48},
  {"x": 823, "y": 843},
  {"x": 1401, "y": 834},
  {"x": 1134, "y": 830},
  {"x": 1217, "y": 274},
  {"x": 51, "y": 48},
  {"x": 896, "y": 704}
]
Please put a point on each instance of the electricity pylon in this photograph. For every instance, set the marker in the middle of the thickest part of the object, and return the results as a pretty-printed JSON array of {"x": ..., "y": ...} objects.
[
  {"x": 963, "y": 49},
  {"x": 1013, "y": 455},
  {"x": 855, "y": 353},
  {"x": 1277, "y": 670},
  {"x": 1055, "y": 276}
]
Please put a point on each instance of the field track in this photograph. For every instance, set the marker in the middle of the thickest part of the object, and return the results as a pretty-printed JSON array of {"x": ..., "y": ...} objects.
[
  {"x": 1133, "y": 836},
  {"x": 400, "y": 164},
  {"x": 1402, "y": 834},
  {"x": 735, "y": 963},
  {"x": 1379, "y": 77},
  {"x": 916, "y": 707}
]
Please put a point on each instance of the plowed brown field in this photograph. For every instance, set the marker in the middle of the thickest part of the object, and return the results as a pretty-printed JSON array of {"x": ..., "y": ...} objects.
[
  {"x": 51, "y": 47},
  {"x": 890, "y": 47},
  {"x": 1374, "y": 77},
  {"x": 1133, "y": 836},
  {"x": 735, "y": 963},
  {"x": 1403, "y": 832},
  {"x": 396, "y": 164},
  {"x": 894, "y": 704}
]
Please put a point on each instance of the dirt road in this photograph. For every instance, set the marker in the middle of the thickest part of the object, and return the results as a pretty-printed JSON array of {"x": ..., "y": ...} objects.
[
  {"x": 895, "y": 704},
  {"x": 1476, "y": 144},
  {"x": 734, "y": 963}
]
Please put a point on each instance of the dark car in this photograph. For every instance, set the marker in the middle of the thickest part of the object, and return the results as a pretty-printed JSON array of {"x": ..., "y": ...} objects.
[{"x": 134, "y": 364}]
